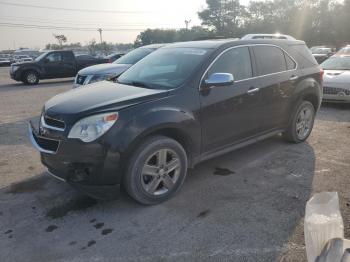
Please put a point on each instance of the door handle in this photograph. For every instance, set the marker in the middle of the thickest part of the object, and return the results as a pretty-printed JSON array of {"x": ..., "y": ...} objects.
[
  {"x": 294, "y": 78},
  {"x": 253, "y": 90}
]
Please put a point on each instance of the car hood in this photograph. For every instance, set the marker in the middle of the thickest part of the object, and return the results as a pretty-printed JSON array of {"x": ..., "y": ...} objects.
[
  {"x": 337, "y": 78},
  {"x": 104, "y": 69},
  {"x": 99, "y": 97}
]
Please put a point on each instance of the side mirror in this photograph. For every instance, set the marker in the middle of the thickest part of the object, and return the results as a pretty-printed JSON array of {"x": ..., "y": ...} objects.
[
  {"x": 219, "y": 79},
  {"x": 46, "y": 60}
]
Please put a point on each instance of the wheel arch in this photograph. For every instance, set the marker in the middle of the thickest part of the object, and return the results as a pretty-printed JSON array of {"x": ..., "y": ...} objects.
[
  {"x": 180, "y": 136},
  {"x": 30, "y": 69}
]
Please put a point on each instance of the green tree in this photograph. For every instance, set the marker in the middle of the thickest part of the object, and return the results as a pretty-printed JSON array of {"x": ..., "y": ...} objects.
[
  {"x": 224, "y": 16},
  {"x": 60, "y": 39},
  {"x": 153, "y": 36}
]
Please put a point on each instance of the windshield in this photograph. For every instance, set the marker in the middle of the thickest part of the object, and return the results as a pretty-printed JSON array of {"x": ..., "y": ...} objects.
[
  {"x": 41, "y": 56},
  {"x": 133, "y": 56},
  {"x": 337, "y": 63},
  {"x": 164, "y": 69},
  {"x": 344, "y": 51}
]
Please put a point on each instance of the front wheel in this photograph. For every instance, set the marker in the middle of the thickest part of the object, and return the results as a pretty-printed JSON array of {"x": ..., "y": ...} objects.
[
  {"x": 31, "y": 78},
  {"x": 301, "y": 124},
  {"x": 156, "y": 170}
]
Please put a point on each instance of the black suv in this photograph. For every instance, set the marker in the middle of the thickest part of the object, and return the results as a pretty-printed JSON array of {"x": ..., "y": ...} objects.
[
  {"x": 52, "y": 64},
  {"x": 182, "y": 104}
]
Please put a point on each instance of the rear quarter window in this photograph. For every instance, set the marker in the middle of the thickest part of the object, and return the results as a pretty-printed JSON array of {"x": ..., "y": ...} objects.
[
  {"x": 290, "y": 63},
  {"x": 269, "y": 59},
  {"x": 303, "y": 56}
]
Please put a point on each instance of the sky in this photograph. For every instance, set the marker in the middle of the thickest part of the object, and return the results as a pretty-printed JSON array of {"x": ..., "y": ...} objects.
[{"x": 125, "y": 18}]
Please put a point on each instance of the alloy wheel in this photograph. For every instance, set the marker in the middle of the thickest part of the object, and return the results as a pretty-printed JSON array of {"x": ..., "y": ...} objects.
[
  {"x": 31, "y": 78},
  {"x": 160, "y": 172},
  {"x": 304, "y": 123}
]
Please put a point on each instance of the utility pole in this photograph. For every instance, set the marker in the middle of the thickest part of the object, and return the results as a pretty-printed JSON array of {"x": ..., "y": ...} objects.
[
  {"x": 100, "y": 31},
  {"x": 187, "y": 22}
]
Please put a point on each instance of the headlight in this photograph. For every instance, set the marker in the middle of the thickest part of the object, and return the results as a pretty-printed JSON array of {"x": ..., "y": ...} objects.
[
  {"x": 14, "y": 68},
  {"x": 90, "y": 128},
  {"x": 98, "y": 78}
]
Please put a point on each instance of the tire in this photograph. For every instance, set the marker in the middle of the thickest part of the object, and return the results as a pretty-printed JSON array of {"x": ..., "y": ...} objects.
[
  {"x": 301, "y": 124},
  {"x": 30, "y": 78},
  {"x": 156, "y": 170}
]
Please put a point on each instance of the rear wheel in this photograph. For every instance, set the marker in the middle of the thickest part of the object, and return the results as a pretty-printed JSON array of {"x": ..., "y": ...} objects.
[
  {"x": 302, "y": 123},
  {"x": 156, "y": 170},
  {"x": 31, "y": 78}
]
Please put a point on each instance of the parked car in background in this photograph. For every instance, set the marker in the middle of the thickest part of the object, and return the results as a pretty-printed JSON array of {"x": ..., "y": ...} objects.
[
  {"x": 267, "y": 36},
  {"x": 344, "y": 51},
  {"x": 321, "y": 53},
  {"x": 337, "y": 79},
  {"x": 52, "y": 64},
  {"x": 102, "y": 72},
  {"x": 19, "y": 58},
  {"x": 112, "y": 57},
  {"x": 5, "y": 62},
  {"x": 26, "y": 59},
  {"x": 88, "y": 60},
  {"x": 180, "y": 105}
]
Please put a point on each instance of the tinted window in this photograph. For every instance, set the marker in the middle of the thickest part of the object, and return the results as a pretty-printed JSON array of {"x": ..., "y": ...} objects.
[
  {"x": 269, "y": 59},
  {"x": 54, "y": 57},
  {"x": 68, "y": 56},
  {"x": 290, "y": 63},
  {"x": 303, "y": 55},
  {"x": 235, "y": 61}
]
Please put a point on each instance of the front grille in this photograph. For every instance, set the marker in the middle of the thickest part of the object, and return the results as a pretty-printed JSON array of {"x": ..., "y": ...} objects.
[
  {"x": 80, "y": 79},
  {"x": 54, "y": 122},
  {"x": 334, "y": 90},
  {"x": 47, "y": 144}
]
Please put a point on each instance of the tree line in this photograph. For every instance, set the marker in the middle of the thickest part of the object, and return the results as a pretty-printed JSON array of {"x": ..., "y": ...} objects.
[{"x": 317, "y": 22}]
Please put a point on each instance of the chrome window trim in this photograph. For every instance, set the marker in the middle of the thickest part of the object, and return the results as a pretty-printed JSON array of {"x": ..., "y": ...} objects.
[
  {"x": 43, "y": 124},
  {"x": 254, "y": 77}
]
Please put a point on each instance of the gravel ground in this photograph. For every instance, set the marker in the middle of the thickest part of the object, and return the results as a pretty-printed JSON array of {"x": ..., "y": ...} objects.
[{"x": 247, "y": 205}]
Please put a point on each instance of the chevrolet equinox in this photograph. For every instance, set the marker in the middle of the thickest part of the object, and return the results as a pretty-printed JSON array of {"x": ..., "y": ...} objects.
[{"x": 182, "y": 104}]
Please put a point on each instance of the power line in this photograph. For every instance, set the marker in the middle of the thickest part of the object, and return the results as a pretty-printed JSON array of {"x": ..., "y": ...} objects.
[
  {"x": 66, "y": 27},
  {"x": 73, "y": 9},
  {"x": 21, "y": 19}
]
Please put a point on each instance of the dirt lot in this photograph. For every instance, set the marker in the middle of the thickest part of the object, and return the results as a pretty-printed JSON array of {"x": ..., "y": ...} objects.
[{"x": 245, "y": 206}]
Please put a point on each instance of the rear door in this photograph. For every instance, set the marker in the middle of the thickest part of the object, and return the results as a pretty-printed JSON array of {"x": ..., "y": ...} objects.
[
  {"x": 230, "y": 113},
  {"x": 276, "y": 71},
  {"x": 68, "y": 64}
]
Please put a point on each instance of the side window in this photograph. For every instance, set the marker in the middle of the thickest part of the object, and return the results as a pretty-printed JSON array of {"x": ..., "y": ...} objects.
[
  {"x": 269, "y": 60},
  {"x": 303, "y": 55},
  {"x": 290, "y": 63},
  {"x": 54, "y": 57},
  {"x": 235, "y": 61},
  {"x": 67, "y": 57}
]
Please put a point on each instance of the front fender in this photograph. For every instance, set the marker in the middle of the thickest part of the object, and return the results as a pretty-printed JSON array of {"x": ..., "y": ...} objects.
[
  {"x": 155, "y": 121},
  {"x": 31, "y": 68}
]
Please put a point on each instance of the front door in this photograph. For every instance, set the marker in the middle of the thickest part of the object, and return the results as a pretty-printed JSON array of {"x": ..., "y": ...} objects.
[
  {"x": 53, "y": 65},
  {"x": 232, "y": 113}
]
